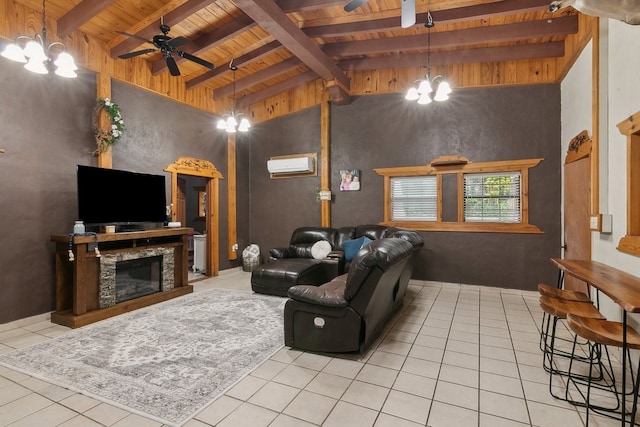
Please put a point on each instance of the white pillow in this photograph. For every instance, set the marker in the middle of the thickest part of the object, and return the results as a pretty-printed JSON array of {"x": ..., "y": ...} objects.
[{"x": 320, "y": 249}]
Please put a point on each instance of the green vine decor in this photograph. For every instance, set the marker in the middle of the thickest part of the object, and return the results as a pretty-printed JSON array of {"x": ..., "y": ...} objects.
[{"x": 105, "y": 138}]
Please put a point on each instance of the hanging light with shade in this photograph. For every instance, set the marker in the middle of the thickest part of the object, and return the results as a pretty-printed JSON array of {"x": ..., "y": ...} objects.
[
  {"x": 426, "y": 90},
  {"x": 39, "y": 58},
  {"x": 229, "y": 122}
]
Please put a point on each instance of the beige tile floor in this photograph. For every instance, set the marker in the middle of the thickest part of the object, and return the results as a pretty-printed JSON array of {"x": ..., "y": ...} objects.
[{"x": 456, "y": 355}]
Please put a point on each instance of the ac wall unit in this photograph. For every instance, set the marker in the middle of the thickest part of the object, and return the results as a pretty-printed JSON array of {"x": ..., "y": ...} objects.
[{"x": 291, "y": 165}]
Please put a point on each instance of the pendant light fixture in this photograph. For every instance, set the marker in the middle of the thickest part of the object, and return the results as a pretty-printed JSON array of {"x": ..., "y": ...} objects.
[
  {"x": 39, "y": 58},
  {"x": 426, "y": 90},
  {"x": 233, "y": 122}
]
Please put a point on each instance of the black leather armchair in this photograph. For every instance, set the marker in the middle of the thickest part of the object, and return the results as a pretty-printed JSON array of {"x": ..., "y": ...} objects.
[{"x": 349, "y": 312}]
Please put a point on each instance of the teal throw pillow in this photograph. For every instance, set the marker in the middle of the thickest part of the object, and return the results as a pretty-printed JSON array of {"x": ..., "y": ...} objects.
[{"x": 351, "y": 247}]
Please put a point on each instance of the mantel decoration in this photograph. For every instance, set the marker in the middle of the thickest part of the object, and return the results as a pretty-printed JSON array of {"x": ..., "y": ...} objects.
[{"x": 105, "y": 138}]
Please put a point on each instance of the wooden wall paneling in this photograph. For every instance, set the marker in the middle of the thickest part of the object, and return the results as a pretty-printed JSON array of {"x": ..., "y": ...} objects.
[
  {"x": 103, "y": 90},
  {"x": 232, "y": 196},
  {"x": 325, "y": 160}
]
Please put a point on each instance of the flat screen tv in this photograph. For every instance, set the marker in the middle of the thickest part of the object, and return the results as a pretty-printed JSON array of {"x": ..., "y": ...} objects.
[{"x": 118, "y": 197}]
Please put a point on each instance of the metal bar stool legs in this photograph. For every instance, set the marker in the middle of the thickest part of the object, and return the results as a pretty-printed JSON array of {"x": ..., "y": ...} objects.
[
  {"x": 558, "y": 309},
  {"x": 601, "y": 334}
]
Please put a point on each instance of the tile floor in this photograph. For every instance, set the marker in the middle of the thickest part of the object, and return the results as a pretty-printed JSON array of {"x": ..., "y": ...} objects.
[{"x": 456, "y": 355}]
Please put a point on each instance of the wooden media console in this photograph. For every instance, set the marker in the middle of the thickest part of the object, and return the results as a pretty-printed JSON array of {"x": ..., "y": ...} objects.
[{"x": 85, "y": 286}]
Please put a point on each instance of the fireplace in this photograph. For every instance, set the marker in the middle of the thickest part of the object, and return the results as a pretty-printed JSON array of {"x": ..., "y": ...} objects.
[
  {"x": 138, "y": 277},
  {"x": 125, "y": 276}
]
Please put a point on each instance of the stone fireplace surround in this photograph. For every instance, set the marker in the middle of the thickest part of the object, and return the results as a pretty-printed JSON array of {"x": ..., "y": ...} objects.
[{"x": 107, "y": 284}]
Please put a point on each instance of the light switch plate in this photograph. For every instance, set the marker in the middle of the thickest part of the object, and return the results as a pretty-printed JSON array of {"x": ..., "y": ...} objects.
[{"x": 595, "y": 222}]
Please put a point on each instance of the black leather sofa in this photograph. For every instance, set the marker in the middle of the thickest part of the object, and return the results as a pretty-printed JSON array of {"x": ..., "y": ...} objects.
[
  {"x": 348, "y": 313},
  {"x": 295, "y": 264}
]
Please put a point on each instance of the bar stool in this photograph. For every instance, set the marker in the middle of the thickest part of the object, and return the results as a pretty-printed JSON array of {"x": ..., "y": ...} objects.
[
  {"x": 602, "y": 333},
  {"x": 558, "y": 309},
  {"x": 563, "y": 294}
]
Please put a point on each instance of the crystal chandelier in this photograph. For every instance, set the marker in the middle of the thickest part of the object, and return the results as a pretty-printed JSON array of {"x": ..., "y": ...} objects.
[
  {"x": 429, "y": 89},
  {"x": 38, "y": 58},
  {"x": 233, "y": 122}
]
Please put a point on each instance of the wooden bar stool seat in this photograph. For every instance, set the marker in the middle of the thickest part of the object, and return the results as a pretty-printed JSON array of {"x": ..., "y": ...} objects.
[
  {"x": 561, "y": 308},
  {"x": 602, "y": 333},
  {"x": 565, "y": 294}
]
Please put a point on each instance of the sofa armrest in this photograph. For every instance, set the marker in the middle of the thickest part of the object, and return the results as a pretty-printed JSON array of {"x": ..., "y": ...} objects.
[
  {"x": 336, "y": 254},
  {"x": 330, "y": 294},
  {"x": 279, "y": 253}
]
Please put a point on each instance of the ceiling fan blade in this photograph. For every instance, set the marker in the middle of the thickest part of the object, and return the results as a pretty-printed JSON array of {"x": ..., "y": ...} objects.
[
  {"x": 354, "y": 4},
  {"x": 195, "y": 59},
  {"x": 177, "y": 42},
  {"x": 171, "y": 64},
  {"x": 136, "y": 53},
  {"x": 408, "y": 17},
  {"x": 134, "y": 36}
]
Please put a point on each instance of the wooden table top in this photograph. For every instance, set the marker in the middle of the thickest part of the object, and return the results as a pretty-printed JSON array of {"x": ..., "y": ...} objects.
[{"x": 621, "y": 287}]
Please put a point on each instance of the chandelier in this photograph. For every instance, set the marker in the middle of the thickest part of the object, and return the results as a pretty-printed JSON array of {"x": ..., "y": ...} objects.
[
  {"x": 31, "y": 51},
  {"x": 233, "y": 122},
  {"x": 429, "y": 89}
]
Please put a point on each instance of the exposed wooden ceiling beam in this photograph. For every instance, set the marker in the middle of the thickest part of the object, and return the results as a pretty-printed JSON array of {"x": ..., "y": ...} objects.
[
  {"x": 175, "y": 16},
  {"x": 276, "y": 89},
  {"x": 471, "y": 36},
  {"x": 272, "y": 19},
  {"x": 447, "y": 16},
  {"x": 254, "y": 55},
  {"x": 258, "y": 77},
  {"x": 80, "y": 14},
  {"x": 304, "y": 5},
  {"x": 461, "y": 56}
]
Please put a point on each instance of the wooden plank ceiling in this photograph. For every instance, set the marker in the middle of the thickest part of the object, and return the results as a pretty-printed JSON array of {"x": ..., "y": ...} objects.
[{"x": 278, "y": 45}]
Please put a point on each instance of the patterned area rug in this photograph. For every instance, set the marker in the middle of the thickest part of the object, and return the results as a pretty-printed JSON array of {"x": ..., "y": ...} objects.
[{"x": 166, "y": 361}]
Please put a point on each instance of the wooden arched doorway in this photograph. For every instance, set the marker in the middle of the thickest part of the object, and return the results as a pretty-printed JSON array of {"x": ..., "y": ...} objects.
[{"x": 202, "y": 168}]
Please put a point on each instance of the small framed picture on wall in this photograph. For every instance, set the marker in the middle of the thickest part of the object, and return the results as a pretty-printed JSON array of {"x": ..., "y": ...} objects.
[{"x": 349, "y": 180}]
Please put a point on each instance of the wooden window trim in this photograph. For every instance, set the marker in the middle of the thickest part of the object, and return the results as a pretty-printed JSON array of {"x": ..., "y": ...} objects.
[
  {"x": 630, "y": 243},
  {"x": 460, "y": 168}
]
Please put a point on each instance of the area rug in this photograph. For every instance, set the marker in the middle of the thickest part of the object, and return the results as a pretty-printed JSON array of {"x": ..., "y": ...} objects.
[{"x": 167, "y": 361}]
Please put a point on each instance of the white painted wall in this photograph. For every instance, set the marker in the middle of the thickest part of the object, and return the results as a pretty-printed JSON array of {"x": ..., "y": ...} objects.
[{"x": 619, "y": 98}]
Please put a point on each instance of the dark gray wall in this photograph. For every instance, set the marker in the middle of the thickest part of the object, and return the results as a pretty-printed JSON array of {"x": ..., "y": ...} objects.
[
  {"x": 386, "y": 131},
  {"x": 46, "y": 132}
]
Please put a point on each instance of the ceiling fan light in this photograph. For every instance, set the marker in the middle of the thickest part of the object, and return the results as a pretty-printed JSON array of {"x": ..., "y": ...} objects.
[
  {"x": 65, "y": 62},
  {"x": 34, "y": 50},
  {"x": 412, "y": 94},
  {"x": 231, "y": 121},
  {"x": 66, "y": 72},
  {"x": 425, "y": 87},
  {"x": 230, "y": 129},
  {"x": 14, "y": 52},
  {"x": 440, "y": 97},
  {"x": 36, "y": 66},
  {"x": 244, "y": 125},
  {"x": 444, "y": 88},
  {"x": 424, "y": 99},
  {"x": 222, "y": 124}
]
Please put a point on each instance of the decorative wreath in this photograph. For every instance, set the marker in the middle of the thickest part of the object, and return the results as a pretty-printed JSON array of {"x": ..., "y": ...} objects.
[{"x": 107, "y": 137}]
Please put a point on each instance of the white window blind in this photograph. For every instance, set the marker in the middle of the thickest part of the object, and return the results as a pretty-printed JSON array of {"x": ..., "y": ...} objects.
[
  {"x": 414, "y": 198},
  {"x": 492, "y": 197}
]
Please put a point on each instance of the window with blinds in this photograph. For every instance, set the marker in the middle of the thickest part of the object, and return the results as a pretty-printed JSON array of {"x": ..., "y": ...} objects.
[
  {"x": 414, "y": 198},
  {"x": 492, "y": 197}
]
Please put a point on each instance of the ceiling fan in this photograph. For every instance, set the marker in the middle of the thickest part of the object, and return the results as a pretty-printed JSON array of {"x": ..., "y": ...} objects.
[
  {"x": 407, "y": 17},
  {"x": 624, "y": 10},
  {"x": 169, "y": 47}
]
